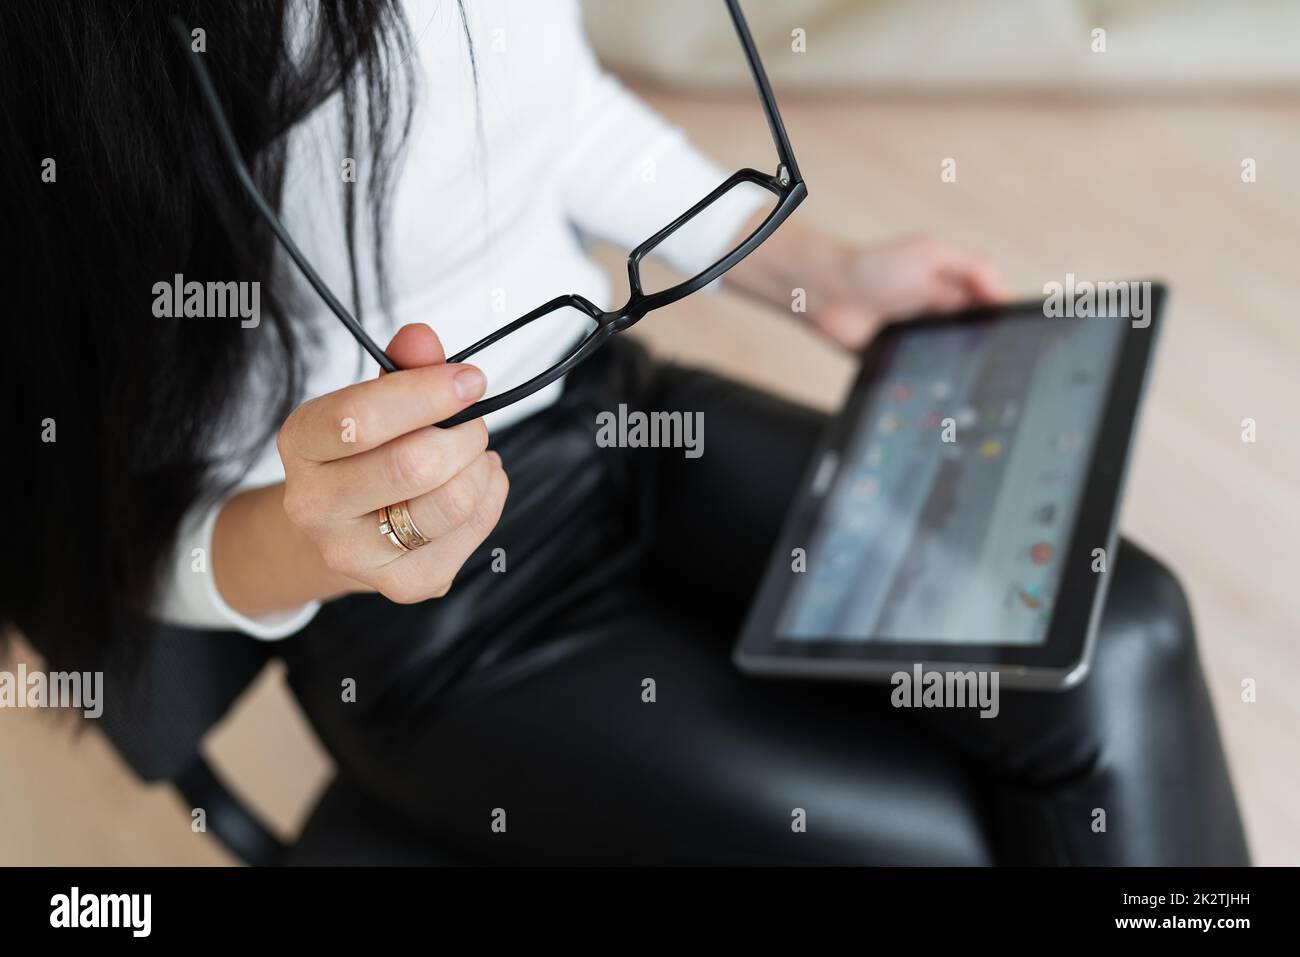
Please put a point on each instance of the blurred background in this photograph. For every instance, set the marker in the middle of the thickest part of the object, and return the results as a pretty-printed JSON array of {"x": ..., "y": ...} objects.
[
  {"x": 1121, "y": 164},
  {"x": 959, "y": 46}
]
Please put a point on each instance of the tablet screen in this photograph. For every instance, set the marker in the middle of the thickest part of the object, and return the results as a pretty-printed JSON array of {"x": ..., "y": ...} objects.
[{"x": 947, "y": 519}]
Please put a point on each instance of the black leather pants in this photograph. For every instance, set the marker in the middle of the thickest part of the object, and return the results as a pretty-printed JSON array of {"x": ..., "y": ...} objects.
[{"x": 522, "y": 691}]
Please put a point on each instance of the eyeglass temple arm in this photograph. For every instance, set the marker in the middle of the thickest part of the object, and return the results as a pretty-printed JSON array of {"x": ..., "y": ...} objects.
[
  {"x": 228, "y": 145},
  {"x": 774, "y": 123}
]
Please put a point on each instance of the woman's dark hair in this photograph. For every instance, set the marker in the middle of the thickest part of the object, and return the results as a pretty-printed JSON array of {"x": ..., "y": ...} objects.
[{"x": 112, "y": 182}]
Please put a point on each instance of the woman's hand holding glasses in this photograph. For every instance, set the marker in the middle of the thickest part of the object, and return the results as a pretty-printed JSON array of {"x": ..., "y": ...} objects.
[{"x": 390, "y": 503}]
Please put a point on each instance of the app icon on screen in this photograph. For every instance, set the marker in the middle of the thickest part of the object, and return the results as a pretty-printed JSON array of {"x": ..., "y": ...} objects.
[{"x": 1031, "y": 597}]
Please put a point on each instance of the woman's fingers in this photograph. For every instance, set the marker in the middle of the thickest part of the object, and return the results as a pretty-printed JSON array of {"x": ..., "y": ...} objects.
[
  {"x": 980, "y": 277},
  {"x": 428, "y": 572},
  {"x": 415, "y": 345},
  {"x": 356, "y": 547},
  {"x": 366, "y": 415},
  {"x": 455, "y": 502},
  {"x": 946, "y": 295},
  {"x": 405, "y": 468},
  {"x": 978, "y": 274}
]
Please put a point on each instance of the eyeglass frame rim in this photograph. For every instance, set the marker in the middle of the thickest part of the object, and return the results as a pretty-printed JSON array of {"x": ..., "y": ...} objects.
[
  {"x": 639, "y": 304},
  {"x": 787, "y": 184}
]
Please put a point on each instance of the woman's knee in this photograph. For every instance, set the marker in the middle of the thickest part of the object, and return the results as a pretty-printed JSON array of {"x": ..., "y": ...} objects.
[{"x": 1147, "y": 620}]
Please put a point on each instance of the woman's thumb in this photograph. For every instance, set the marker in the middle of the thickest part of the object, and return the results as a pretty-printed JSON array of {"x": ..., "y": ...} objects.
[{"x": 416, "y": 345}]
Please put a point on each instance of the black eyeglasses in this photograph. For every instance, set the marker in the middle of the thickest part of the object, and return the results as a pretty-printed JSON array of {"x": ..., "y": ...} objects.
[{"x": 576, "y": 318}]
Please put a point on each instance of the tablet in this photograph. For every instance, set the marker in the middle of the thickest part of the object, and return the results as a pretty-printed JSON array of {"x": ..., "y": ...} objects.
[{"x": 960, "y": 513}]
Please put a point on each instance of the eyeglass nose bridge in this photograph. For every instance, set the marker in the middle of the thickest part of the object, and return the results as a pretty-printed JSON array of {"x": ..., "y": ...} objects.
[{"x": 629, "y": 315}]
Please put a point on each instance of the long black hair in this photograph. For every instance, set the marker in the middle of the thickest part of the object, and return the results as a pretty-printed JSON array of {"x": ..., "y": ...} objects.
[{"x": 110, "y": 182}]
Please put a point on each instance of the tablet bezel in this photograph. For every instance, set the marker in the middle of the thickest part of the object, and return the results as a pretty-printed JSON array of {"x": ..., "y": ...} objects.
[{"x": 1061, "y": 660}]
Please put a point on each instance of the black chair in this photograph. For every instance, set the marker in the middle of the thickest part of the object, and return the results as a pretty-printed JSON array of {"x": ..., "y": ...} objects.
[{"x": 187, "y": 682}]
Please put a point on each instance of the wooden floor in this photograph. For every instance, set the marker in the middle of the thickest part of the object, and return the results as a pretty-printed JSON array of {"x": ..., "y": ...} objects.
[{"x": 1101, "y": 189}]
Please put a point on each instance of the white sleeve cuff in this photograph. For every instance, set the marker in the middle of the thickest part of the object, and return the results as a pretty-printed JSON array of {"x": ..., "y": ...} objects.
[{"x": 188, "y": 594}]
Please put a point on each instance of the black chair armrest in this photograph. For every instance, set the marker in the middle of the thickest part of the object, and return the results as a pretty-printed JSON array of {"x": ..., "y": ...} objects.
[{"x": 227, "y": 818}]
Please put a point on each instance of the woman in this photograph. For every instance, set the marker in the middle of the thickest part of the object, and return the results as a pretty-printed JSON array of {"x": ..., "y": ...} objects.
[{"x": 227, "y": 473}]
